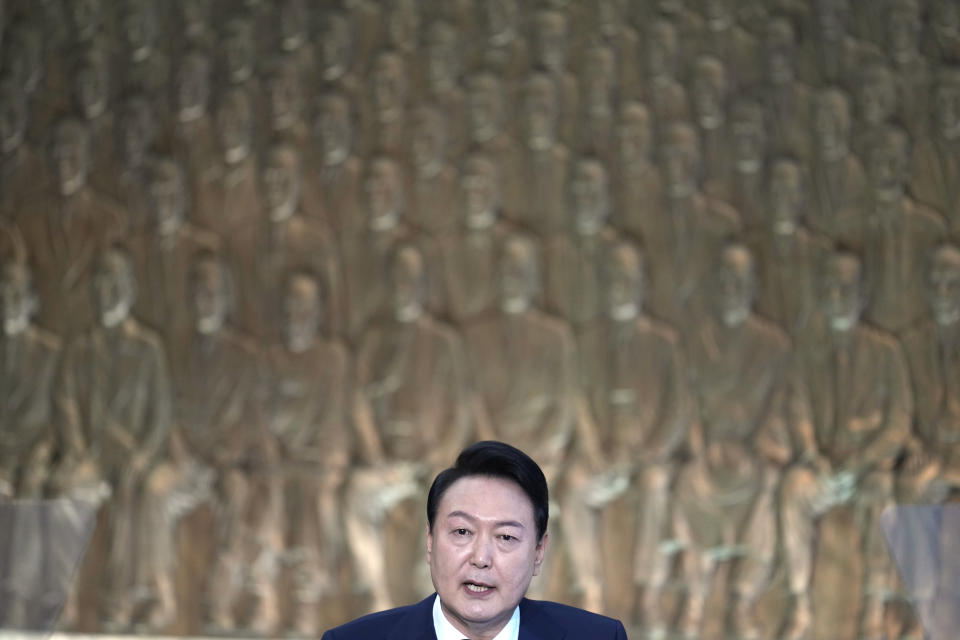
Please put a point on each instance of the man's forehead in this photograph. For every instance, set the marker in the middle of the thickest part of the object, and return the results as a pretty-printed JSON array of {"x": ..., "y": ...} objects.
[{"x": 484, "y": 497}]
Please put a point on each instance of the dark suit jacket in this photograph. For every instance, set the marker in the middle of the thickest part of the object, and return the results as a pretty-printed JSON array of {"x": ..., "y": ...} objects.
[{"x": 539, "y": 620}]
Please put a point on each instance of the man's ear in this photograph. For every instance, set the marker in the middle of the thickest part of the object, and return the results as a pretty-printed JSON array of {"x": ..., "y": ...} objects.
[
  {"x": 541, "y": 550},
  {"x": 429, "y": 543}
]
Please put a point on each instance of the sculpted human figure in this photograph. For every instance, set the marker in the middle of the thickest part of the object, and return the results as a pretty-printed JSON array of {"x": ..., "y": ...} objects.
[
  {"x": 935, "y": 175},
  {"x": 859, "y": 387},
  {"x": 286, "y": 239},
  {"x": 21, "y": 167},
  {"x": 114, "y": 409},
  {"x": 638, "y": 196},
  {"x": 164, "y": 250},
  {"x": 469, "y": 255},
  {"x": 546, "y": 159},
  {"x": 217, "y": 438},
  {"x": 837, "y": 180},
  {"x": 830, "y": 55},
  {"x": 238, "y": 51},
  {"x": 28, "y": 364},
  {"x": 598, "y": 97},
  {"x": 285, "y": 99},
  {"x": 660, "y": 89},
  {"x": 306, "y": 404},
  {"x": 574, "y": 260},
  {"x": 443, "y": 68},
  {"x": 433, "y": 188},
  {"x": 894, "y": 232},
  {"x": 337, "y": 55},
  {"x": 502, "y": 49},
  {"x": 68, "y": 228},
  {"x": 550, "y": 45},
  {"x": 144, "y": 65},
  {"x": 385, "y": 131},
  {"x": 742, "y": 183},
  {"x": 193, "y": 134},
  {"x": 788, "y": 254},
  {"x": 786, "y": 98},
  {"x": 942, "y": 39},
  {"x": 611, "y": 22},
  {"x": 691, "y": 229},
  {"x": 486, "y": 126},
  {"x": 932, "y": 353},
  {"x": 192, "y": 20},
  {"x": 411, "y": 414},
  {"x": 91, "y": 92},
  {"x": 335, "y": 183},
  {"x": 875, "y": 100},
  {"x": 903, "y": 21},
  {"x": 523, "y": 361},
  {"x": 709, "y": 101},
  {"x": 634, "y": 414},
  {"x": 365, "y": 258},
  {"x": 289, "y": 23},
  {"x": 749, "y": 401},
  {"x": 136, "y": 135},
  {"x": 723, "y": 37}
]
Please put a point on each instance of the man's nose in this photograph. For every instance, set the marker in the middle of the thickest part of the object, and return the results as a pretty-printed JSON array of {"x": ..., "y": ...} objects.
[{"x": 481, "y": 553}]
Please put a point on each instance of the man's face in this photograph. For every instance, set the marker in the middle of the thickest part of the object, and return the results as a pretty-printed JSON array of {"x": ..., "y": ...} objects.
[
  {"x": 830, "y": 125},
  {"x": 284, "y": 98},
  {"x": 540, "y": 111},
  {"x": 785, "y": 195},
  {"x": 589, "y": 194},
  {"x": 301, "y": 313},
  {"x": 479, "y": 188},
  {"x": 111, "y": 290},
  {"x": 876, "y": 95},
  {"x": 946, "y": 109},
  {"x": 483, "y": 552},
  {"x": 16, "y": 301},
  {"x": 238, "y": 50},
  {"x": 428, "y": 144},
  {"x": 13, "y": 117},
  {"x": 382, "y": 189},
  {"x": 517, "y": 278},
  {"x": 735, "y": 285},
  {"x": 139, "y": 29},
  {"x": 708, "y": 93},
  {"x": 70, "y": 158},
  {"x": 235, "y": 127},
  {"x": 679, "y": 161},
  {"x": 841, "y": 293},
  {"x": 333, "y": 128},
  {"x": 944, "y": 286},
  {"x": 483, "y": 107},
  {"x": 626, "y": 284},
  {"x": 91, "y": 89},
  {"x": 335, "y": 47},
  {"x": 209, "y": 298},
  {"x": 166, "y": 197},
  {"x": 280, "y": 184},
  {"x": 886, "y": 165},
  {"x": 551, "y": 40},
  {"x": 633, "y": 135}
]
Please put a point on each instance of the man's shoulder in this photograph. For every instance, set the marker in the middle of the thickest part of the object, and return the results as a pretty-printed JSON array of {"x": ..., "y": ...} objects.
[
  {"x": 573, "y": 622},
  {"x": 380, "y": 624}
]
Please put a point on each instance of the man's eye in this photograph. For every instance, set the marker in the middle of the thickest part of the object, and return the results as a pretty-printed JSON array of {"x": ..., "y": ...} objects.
[
  {"x": 506, "y": 537},
  {"x": 460, "y": 532}
]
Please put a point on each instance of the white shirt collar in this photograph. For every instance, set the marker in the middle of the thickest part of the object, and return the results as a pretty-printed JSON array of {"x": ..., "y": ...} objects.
[{"x": 446, "y": 631}]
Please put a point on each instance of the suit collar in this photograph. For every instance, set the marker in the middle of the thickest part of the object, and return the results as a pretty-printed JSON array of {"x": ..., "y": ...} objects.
[
  {"x": 536, "y": 625},
  {"x": 417, "y": 623}
]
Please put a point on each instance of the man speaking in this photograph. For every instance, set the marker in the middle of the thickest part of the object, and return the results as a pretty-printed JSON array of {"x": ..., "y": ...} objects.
[{"x": 486, "y": 536}]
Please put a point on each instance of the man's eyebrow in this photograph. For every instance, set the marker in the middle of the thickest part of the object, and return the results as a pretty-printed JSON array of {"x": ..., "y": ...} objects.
[{"x": 501, "y": 523}]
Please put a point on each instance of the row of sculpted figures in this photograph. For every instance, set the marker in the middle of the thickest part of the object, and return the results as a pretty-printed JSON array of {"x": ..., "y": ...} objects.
[
  {"x": 670, "y": 454},
  {"x": 267, "y": 266}
]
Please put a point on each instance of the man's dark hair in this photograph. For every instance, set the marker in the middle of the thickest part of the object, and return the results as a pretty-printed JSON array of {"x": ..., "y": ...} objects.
[{"x": 496, "y": 460}]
